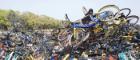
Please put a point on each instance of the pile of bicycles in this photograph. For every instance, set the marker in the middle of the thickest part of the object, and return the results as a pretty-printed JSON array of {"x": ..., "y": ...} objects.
[
  {"x": 108, "y": 34},
  {"x": 23, "y": 45}
]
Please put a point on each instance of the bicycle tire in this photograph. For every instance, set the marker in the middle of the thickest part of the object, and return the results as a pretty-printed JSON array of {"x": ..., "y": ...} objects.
[
  {"x": 130, "y": 18},
  {"x": 60, "y": 37},
  {"x": 129, "y": 11},
  {"x": 108, "y": 6},
  {"x": 83, "y": 39}
]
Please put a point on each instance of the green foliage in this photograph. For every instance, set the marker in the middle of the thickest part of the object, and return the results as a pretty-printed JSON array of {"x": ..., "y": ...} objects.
[
  {"x": 4, "y": 12},
  {"x": 27, "y": 20},
  {"x": 4, "y": 23}
]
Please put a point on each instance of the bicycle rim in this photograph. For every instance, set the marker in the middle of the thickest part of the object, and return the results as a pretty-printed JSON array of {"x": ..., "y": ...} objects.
[{"x": 108, "y": 6}]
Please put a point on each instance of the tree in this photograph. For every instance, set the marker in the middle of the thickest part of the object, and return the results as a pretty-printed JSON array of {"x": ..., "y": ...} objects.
[
  {"x": 27, "y": 20},
  {"x": 4, "y": 23},
  {"x": 13, "y": 17}
]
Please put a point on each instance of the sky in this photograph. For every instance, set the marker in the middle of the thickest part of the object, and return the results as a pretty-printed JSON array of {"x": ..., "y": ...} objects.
[{"x": 58, "y": 8}]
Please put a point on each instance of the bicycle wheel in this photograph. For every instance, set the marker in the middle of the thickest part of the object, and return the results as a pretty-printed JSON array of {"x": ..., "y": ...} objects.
[
  {"x": 109, "y": 8},
  {"x": 62, "y": 35},
  {"x": 124, "y": 11},
  {"x": 133, "y": 19},
  {"x": 84, "y": 38}
]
